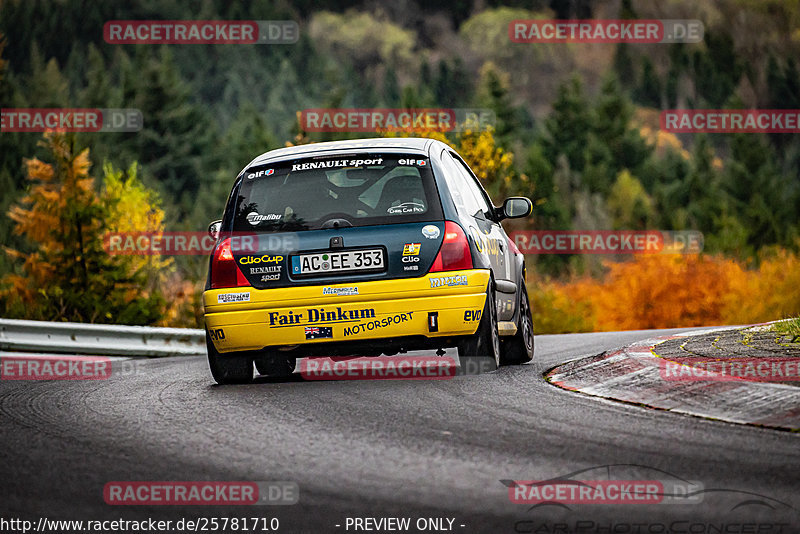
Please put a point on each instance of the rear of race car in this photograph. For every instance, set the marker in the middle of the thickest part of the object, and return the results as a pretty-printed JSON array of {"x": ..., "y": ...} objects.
[{"x": 346, "y": 253}]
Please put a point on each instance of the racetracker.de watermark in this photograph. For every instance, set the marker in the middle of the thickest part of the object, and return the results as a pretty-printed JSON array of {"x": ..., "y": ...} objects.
[
  {"x": 589, "y": 491},
  {"x": 396, "y": 120},
  {"x": 380, "y": 367},
  {"x": 194, "y": 243},
  {"x": 108, "y": 120},
  {"x": 607, "y": 242},
  {"x": 182, "y": 493},
  {"x": 605, "y": 31},
  {"x": 700, "y": 369},
  {"x": 55, "y": 368},
  {"x": 201, "y": 32},
  {"x": 731, "y": 120}
]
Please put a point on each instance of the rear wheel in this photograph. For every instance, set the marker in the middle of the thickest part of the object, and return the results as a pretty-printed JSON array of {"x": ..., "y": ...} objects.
[
  {"x": 486, "y": 341},
  {"x": 519, "y": 347},
  {"x": 228, "y": 368},
  {"x": 275, "y": 363}
]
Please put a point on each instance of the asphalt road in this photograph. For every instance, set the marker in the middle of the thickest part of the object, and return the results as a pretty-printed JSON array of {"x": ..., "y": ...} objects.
[{"x": 378, "y": 449}]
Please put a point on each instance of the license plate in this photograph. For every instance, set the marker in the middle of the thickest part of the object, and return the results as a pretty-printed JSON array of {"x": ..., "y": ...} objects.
[{"x": 338, "y": 262}]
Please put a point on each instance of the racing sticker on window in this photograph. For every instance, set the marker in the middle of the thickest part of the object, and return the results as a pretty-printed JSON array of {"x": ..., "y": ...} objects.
[
  {"x": 418, "y": 162},
  {"x": 259, "y": 174},
  {"x": 407, "y": 207},
  {"x": 332, "y": 164},
  {"x": 255, "y": 218}
]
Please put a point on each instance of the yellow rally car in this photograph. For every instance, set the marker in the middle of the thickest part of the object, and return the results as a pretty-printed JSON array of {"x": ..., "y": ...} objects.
[{"x": 366, "y": 247}]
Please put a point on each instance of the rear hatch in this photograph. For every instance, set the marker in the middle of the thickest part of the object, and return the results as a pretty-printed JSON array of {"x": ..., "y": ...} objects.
[{"x": 340, "y": 218}]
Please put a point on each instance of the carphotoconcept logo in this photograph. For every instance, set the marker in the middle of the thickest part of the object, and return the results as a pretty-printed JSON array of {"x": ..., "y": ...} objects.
[
  {"x": 108, "y": 120},
  {"x": 396, "y": 120},
  {"x": 622, "y": 486},
  {"x": 607, "y": 241},
  {"x": 201, "y": 32},
  {"x": 731, "y": 120},
  {"x": 606, "y": 31}
]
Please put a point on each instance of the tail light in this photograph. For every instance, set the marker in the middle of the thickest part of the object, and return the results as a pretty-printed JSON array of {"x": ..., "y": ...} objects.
[
  {"x": 454, "y": 254},
  {"x": 224, "y": 271}
]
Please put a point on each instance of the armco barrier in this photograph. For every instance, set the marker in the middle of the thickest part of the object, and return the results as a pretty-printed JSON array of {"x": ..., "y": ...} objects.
[{"x": 101, "y": 339}]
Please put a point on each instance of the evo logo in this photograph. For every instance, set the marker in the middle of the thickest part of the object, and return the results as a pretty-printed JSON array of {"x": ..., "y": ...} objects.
[{"x": 472, "y": 315}]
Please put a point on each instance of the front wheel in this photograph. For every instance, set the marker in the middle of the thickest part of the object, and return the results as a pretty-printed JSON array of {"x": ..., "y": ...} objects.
[
  {"x": 485, "y": 342},
  {"x": 228, "y": 368},
  {"x": 519, "y": 347}
]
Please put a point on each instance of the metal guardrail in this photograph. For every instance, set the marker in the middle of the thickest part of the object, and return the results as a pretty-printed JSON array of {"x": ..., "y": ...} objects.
[{"x": 99, "y": 339}]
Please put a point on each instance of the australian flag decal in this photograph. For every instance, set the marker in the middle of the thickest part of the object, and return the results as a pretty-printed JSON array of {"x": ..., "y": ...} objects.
[{"x": 317, "y": 332}]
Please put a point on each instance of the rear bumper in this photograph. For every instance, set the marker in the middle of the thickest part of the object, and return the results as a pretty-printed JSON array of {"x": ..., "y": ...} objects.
[{"x": 240, "y": 319}]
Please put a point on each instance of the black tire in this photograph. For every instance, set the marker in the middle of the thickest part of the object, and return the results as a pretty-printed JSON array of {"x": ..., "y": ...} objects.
[
  {"x": 275, "y": 363},
  {"x": 485, "y": 341},
  {"x": 519, "y": 348},
  {"x": 229, "y": 368}
]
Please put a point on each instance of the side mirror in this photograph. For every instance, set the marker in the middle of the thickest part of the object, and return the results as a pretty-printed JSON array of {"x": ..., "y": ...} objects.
[
  {"x": 515, "y": 208},
  {"x": 213, "y": 229}
]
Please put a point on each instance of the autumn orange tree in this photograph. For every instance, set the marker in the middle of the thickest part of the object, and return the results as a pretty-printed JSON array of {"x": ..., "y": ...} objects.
[
  {"x": 67, "y": 275},
  {"x": 667, "y": 291}
]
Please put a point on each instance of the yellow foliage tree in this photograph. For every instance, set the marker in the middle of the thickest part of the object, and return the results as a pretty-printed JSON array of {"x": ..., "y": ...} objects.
[
  {"x": 768, "y": 293},
  {"x": 67, "y": 275}
]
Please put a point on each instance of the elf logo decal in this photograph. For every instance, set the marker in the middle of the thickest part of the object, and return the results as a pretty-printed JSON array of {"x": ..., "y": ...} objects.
[
  {"x": 266, "y": 172},
  {"x": 472, "y": 315},
  {"x": 318, "y": 316}
]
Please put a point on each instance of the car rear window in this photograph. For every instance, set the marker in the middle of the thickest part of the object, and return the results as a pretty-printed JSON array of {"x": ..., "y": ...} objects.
[{"x": 337, "y": 191}]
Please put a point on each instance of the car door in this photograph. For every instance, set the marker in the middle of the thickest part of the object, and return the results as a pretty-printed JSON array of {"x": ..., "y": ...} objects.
[{"x": 475, "y": 209}]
